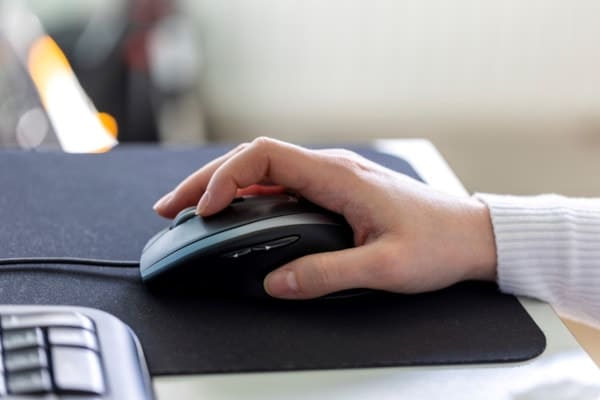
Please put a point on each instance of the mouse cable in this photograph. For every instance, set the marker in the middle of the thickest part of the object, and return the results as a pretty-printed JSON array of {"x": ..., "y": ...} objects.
[{"x": 71, "y": 260}]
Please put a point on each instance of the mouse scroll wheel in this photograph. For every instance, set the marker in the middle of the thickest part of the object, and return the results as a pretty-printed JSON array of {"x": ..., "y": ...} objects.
[{"x": 183, "y": 216}]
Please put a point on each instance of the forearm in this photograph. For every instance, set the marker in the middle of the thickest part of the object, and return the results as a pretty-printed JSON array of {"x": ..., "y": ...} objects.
[{"x": 548, "y": 247}]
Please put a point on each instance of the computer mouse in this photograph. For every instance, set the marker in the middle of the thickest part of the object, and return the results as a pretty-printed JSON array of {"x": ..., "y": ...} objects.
[{"x": 231, "y": 252}]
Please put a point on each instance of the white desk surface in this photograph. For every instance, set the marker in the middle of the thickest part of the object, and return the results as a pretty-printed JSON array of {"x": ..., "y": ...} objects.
[{"x": 563, "y": 371}]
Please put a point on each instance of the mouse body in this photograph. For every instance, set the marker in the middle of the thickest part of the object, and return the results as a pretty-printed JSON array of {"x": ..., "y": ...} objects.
[{"x": 232, "y": 251}]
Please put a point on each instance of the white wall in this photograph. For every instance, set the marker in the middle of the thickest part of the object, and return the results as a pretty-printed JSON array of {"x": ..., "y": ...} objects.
[
  {"x": 508, "y": 89},
  {"x": 395, "y": 60}
]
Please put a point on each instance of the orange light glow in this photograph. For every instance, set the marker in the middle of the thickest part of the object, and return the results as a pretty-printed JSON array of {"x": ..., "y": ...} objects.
[
  {"x": 110, "y": 123},
  {"x": 77, "y": 124},
  {"x": 46, "y": 60}
]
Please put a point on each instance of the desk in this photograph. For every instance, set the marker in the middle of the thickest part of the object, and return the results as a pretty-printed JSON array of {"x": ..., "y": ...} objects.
[{"x": 563, "y": 370}]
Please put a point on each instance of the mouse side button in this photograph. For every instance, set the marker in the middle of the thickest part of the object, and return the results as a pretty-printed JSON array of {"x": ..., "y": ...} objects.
[
  {"x": 238, "y": 253},
  {"x": 275, "y": 244},
  {"x": 261, "y": 247}
]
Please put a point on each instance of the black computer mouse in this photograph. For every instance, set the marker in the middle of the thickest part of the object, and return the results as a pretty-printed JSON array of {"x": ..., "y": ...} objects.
[{"x": 231, "y": 252}]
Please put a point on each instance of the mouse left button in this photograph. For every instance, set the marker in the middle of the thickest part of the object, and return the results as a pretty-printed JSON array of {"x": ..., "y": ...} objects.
[
  {"x": 154, "y": 238},
  {"x": 184, "y": 215}
]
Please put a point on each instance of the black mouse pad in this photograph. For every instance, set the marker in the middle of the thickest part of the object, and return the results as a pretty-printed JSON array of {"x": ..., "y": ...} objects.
[{"x": 99, "y": 206}]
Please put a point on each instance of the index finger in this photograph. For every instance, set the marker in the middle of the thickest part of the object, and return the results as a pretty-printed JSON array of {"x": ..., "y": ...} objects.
[{"x": 188, "y": 192}]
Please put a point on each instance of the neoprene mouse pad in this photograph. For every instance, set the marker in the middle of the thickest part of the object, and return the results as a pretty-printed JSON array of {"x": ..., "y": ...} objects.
[{"x": 99, "y": 206}]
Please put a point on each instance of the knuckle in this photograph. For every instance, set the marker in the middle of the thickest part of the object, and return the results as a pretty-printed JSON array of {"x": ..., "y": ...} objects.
[
  {"x": 263, "y": 143},
  {"x": 349, "y": 162}
]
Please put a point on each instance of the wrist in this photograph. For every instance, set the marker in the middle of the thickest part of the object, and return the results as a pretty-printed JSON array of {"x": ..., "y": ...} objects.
[{"x": 482, "y": 248}]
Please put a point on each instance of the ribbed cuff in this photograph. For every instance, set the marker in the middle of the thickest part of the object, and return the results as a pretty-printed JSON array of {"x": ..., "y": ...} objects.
[{"x": 548, "y": 247}]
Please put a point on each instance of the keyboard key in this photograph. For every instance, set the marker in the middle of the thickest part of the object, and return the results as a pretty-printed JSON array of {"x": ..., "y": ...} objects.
[
  {"x": 77, "y": 370},
  {"x": 72, "y": 337},
  {"x": 2, "y": 385},
  {"x": 30, "y": 382},
  {"x": 20, "y": 339},
  {"x": 22, "y": 360},
  {"x": 59, "y": 318}
]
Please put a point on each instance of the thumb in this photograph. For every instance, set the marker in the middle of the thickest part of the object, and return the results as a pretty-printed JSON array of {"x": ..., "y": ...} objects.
[{"x": 318, "y": 274}]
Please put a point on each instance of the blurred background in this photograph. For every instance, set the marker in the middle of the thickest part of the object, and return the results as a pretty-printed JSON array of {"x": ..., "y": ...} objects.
[{"x": 509, "y": 91}]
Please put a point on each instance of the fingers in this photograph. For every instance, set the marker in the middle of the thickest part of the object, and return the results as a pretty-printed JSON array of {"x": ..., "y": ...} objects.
[
  {"x": 323, "y": 273},
  {"x": 326, "y": 177},
  {"x": 308, "y": 172},
  {"x": 262, "y": 160},
  {"x": 187, "y": 193}
]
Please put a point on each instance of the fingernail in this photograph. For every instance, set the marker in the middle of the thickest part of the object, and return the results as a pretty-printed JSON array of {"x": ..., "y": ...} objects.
[
  {"x": 203, "y": 203},
  {"x": 281, "y": 283},
  {"x": 163, "y": 201}
]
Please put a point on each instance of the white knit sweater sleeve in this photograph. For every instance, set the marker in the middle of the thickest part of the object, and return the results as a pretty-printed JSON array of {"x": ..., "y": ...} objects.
[{"x": 548, "y": 247}]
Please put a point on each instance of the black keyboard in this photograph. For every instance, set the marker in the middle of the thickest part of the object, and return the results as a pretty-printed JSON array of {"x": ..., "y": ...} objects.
[{"x": 69, "y": 352}]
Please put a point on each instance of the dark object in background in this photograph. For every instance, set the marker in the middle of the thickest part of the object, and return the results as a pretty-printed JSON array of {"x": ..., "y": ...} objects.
[{"x": 109, "y": 55}]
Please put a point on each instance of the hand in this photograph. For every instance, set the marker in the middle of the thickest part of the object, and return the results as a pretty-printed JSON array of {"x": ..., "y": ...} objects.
[{"x": 409, "y": 237}]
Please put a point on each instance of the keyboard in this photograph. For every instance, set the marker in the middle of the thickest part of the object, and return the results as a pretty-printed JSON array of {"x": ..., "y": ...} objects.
[{"x": 60, "y": 352}]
